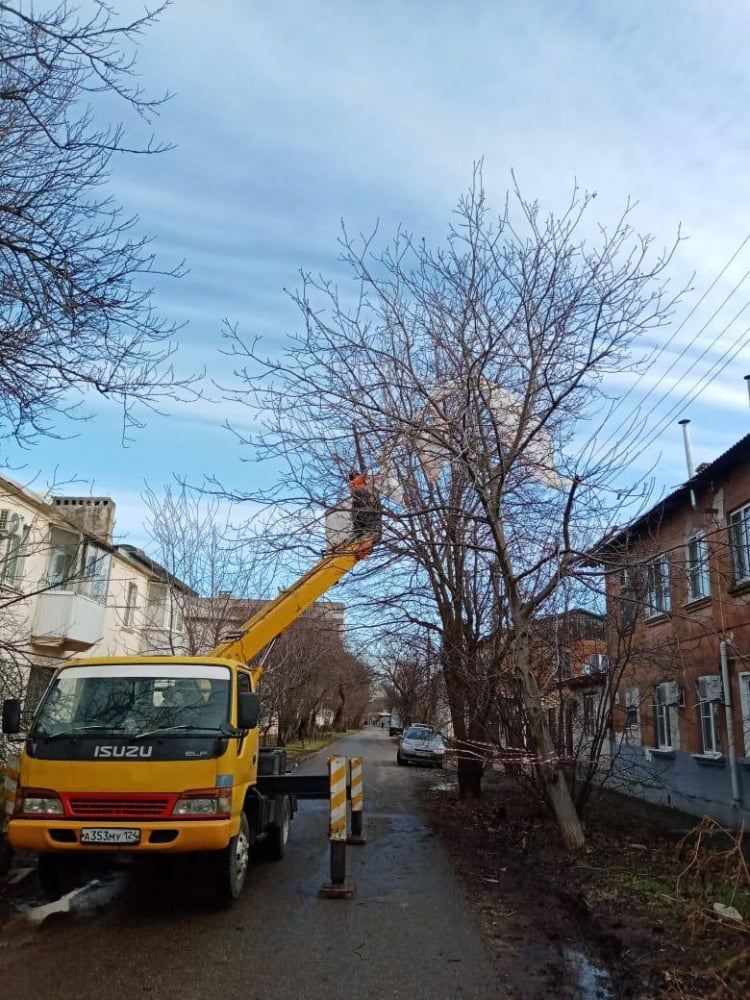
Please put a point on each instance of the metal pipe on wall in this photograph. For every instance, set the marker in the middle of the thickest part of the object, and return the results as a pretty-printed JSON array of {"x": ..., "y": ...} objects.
[{"x": 731, "y": 752}]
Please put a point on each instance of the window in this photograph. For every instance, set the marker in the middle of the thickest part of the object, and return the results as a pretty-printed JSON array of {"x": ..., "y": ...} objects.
[
  {"x": 628, "y": 598},
  {"x": 63, "y": 559},
  {"x": 589, "y": 714},
  {"x": 745, "y": 702},
  {"x": 739, "y": 542},
  {"x": 37, "y": 684},
  {"x": 13, "y": 549},
  {"x": 657, "y": 584},
  {"x": 698, "y": 580},
  {"x": 710, "y": 695},
  {"x": 77, "y": 565},
  {"x": 157, "y": 605},
  {"x": 632, "y": 717},
  {"x": 667, "y": 697},
  {"x": 709, "y": 728},
  {"x": 130, "y": 604},
  {"x": 597, "y": 663},
  {"x": 95, "y": 572}
]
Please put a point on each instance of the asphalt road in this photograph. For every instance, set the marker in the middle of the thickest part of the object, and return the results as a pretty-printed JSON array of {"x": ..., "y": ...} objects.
[{"x": 409, "y": 931}]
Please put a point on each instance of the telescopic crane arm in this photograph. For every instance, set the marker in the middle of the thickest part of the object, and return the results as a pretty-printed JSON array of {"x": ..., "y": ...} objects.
[{"x": 277, "y": 615}]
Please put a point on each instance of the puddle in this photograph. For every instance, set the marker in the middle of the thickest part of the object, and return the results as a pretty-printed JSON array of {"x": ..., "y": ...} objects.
[
  {"x": 593, "y": 982},
  {"x": 446, "y": 786}
]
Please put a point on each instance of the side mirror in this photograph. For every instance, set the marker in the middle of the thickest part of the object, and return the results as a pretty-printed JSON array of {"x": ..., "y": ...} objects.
[
  {"x": 248, "y": 710},
  {"x": 11, "y": 716}
]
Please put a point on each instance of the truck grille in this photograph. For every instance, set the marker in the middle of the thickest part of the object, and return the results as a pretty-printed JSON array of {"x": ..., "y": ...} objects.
[{"x": 118, "y": 807}]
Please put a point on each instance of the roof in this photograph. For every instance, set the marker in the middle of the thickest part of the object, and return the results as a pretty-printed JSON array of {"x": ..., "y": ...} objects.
[
  {"x": 705, "y": 478},
  {"x": 135, "y": 554}
]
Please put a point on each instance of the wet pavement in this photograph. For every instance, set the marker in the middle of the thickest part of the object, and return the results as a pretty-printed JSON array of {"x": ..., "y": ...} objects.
[{"x": 409, "y": 931}]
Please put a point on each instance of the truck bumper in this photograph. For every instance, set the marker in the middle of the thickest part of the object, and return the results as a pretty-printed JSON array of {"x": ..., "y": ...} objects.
[{"x": 44, "y": 836}]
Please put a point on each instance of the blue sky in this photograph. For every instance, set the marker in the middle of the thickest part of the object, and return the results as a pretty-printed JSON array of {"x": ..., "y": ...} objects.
[{"x": 288, "y": 117}]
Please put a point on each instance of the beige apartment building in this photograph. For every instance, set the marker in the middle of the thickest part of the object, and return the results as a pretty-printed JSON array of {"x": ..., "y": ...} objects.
[{"x": 66, "y": 590}]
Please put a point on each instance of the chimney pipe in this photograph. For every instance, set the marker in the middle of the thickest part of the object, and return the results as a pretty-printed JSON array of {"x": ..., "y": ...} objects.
[
  {"x": 688, "y": 449},
  {"x": 747, "y": 383}
]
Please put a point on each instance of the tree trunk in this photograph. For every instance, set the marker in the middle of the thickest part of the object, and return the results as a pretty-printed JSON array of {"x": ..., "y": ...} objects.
[
  {"x": 470, "y": 772},
  {"x": 555, "y": 785}
]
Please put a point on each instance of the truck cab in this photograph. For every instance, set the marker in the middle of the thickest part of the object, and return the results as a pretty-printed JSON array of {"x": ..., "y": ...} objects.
[{"x": 148, "y": 754}]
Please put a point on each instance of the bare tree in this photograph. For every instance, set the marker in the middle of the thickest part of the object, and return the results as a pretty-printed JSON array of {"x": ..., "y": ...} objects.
[
  {"x": 225, "y": 567},
  {"x": 309, "y": 675},
  {"x": 411, "y": 681},
  {"x": 75, "y": 304},
  {"x": 474, "y": 375}
]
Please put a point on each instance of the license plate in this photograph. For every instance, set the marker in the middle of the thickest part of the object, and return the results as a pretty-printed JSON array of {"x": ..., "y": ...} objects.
[{"x": 110, "y": 835}]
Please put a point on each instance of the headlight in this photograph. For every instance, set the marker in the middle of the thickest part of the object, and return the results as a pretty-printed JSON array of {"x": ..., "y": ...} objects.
[
  {"x": 205, "y": 802},
  {"x": 38, "y": 802}
]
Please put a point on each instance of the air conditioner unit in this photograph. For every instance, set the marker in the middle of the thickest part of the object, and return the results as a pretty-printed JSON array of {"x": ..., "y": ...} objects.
[
  {"x": 710, "y": 688},
  {"x": 670, "y": 693}
]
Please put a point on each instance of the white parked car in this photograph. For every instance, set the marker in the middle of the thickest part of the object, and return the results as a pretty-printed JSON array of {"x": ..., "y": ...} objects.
[{"x": 421, "y": 745}]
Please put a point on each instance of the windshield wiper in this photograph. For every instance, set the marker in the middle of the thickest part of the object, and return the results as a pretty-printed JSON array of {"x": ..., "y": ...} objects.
[
  {"x": 174, "y": 729},
  {"x": 74, "y": 732}
]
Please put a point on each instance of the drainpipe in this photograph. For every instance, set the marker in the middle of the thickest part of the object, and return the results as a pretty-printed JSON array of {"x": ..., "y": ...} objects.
[{"x": 731, "y": 752}]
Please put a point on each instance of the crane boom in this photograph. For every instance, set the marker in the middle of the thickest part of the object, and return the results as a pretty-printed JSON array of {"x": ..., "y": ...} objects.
[{"x": 275, "y": 616}]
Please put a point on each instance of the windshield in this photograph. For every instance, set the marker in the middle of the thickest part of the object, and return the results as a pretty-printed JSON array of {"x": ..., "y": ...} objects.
[
  {"x": 420, "y": 733},
  {"x": 134, "y": 699}
]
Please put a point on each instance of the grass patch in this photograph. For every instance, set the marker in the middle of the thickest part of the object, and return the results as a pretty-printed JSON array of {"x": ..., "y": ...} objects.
[
  {"x": 303, "y": 748},
  {"x": 652, "y": 890}
]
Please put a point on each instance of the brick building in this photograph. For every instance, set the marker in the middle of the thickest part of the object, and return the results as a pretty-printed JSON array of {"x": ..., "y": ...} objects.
[{"x": 678, "y": 596}]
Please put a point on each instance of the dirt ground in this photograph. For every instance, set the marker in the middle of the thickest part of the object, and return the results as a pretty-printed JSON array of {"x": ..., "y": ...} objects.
[{"x": 630, "y": 918}]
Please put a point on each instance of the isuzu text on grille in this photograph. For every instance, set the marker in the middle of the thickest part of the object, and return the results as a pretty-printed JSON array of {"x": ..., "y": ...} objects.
[{"x": 137, "y": 751}]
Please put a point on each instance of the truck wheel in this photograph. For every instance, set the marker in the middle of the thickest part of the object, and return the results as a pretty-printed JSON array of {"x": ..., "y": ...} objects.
[
  {"x": 278, "y": 833},
  {"x": 50, "y": 874},
  {"x": 232, "y": 864}
]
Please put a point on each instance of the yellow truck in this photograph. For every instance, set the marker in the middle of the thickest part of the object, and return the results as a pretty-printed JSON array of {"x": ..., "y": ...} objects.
[{"x": 160, "y": 754}]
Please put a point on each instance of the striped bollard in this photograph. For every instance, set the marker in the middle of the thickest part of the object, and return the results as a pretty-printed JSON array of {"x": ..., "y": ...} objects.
[
  {"x": 357, "y": 837},
  {"x": 337, "y": 888}
]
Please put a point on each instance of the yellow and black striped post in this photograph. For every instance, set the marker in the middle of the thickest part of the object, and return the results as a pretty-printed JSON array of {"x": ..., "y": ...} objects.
[
  {"x": 337, "y": 888},
  {"x": 356, "y": 837}
]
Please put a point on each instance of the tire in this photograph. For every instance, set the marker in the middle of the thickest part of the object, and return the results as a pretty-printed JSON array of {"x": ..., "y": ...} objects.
[
  {"x": 50, "y": 871},
  {"x": 439, "y": 765},
  {"x": 400, "y": 760},
  {"x": 278, "y": 832},
  {"x": 232, "y": 864}
]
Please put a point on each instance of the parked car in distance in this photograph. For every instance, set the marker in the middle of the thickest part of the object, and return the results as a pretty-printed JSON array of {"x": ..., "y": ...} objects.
[
  {"x": 421, "y": 745},
  {"x": 395, "y": 726}
]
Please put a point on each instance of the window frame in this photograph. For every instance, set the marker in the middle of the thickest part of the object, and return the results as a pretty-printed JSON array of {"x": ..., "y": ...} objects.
[
  {"x": 131, "y": 604},
  {"x": 658, "y": 587},
  {"x": 698, "y": 570},
  {"x": 632, "y": 705},
  {"x": 590, "y": 714},
  {"x": 14, "y": 547},
  {"x": 662, "y": 720},
  {"x": 93, "y": 577},
  {"x": 738, "y": 524},
  {"x": 628, "y": 599},
  {"x": 744, "y": 683},
  {"x": 707, "y": 719}
]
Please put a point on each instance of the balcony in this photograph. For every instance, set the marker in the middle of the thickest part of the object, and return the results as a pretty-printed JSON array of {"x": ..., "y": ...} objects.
[{"x": 67, "y": 620}]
